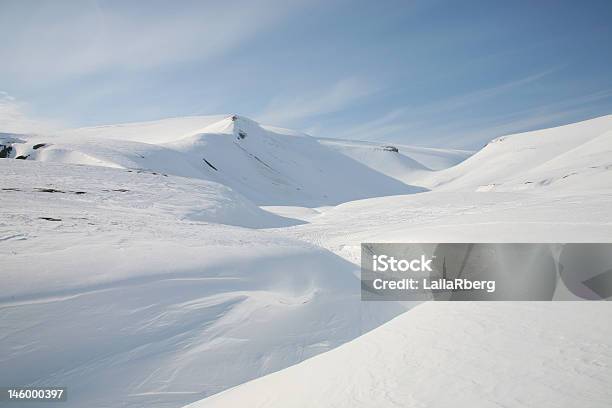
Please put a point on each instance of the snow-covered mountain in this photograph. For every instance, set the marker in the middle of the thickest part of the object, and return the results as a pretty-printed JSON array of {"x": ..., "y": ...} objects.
[
  {"x": 168, "y": 261},
  {"x": 273, "y": 168},
  {"x": 270, "y": 166}
]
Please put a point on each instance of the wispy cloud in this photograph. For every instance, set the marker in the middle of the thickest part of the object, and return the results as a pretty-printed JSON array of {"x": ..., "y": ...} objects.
[
  {"x": 287, "y": 110},
  {"x": 15, "y": 119},
  {"x": 471, "y": 133},
  {"x": 81, "y": 37},
  {"x": 522, "y": 120},
  {"x": 407, "y": 118}
]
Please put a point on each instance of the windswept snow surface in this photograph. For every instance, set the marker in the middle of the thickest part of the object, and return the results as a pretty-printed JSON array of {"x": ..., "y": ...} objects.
[
  {"x": 168, "y": 266},
  {"x": 459, "y": 354},
  {"x": 133, "y": 289}
]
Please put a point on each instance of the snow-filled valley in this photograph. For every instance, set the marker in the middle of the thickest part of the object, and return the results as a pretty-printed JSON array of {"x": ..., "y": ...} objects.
[{"x": 158, "y": 263}]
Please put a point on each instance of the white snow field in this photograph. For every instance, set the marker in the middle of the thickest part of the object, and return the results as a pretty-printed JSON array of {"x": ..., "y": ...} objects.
[
  {"x": 152, "y": 287},
  {"x": 156, "y": 264},
  {"x": 453, "y": 354}
]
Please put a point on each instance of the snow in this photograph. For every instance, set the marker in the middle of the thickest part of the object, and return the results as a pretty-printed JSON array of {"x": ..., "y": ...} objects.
[
  {"x": 139, "y": 283},
  {"x": 461, "y": 217},
  {"x": 435, "y": 159},
  {"x": 479, "y": 354},
  {"x": 572, "y": 157},
  {"x": 454, "y": 354},
  {"x": 130, "y": 264},
  {"x": 267, "y": 167},
  {"x": 417, "y": 157},
  {"x": 385, "y": 159},
  {"x": 152, "y": 132},
  {"x": 284, "y": 169}
]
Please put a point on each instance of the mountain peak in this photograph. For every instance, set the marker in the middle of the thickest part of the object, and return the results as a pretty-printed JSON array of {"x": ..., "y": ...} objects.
[{"x": 238, "y": 126}]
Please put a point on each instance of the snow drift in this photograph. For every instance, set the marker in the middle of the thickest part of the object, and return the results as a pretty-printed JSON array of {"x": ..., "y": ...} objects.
[{"x": 459, "y": 354}]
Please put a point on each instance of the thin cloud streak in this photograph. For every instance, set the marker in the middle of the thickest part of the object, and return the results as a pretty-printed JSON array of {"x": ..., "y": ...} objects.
[
  {"x": 470, "y": 134},
  {"x": 408, "y": 117},
  {"x": 523, "y": 120},
  {"x": 84, "y": 38},
  {"x": 288, "y": 110}
]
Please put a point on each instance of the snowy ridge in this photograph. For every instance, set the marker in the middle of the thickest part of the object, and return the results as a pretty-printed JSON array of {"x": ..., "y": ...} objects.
[
  {"x": 575, "y": 157},
  {"x": 152, "y": 132},
  {"x": 280, "y": 169},
  {"x": 420, "y": 158}
]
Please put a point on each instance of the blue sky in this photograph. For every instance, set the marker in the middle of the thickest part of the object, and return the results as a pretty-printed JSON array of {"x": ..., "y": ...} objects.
[{"x": 438, "y": 73}]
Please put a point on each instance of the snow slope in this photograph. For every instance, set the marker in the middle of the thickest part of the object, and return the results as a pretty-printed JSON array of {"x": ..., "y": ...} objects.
[
  {"x": 151, "y": 132},
  {"x": 460, "y": 354},
  {"x": 89, "y": 189},
  {"x": 134, "y": 282},
  {"x": 407, "y": 164},
  {"x": 435, "y": 159},
  {"x": 461, "y": 217},
  {"x": 385, "y": 159},
  {"x": 281, "y": 169},
  {"x": 575, "y": 156}
]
